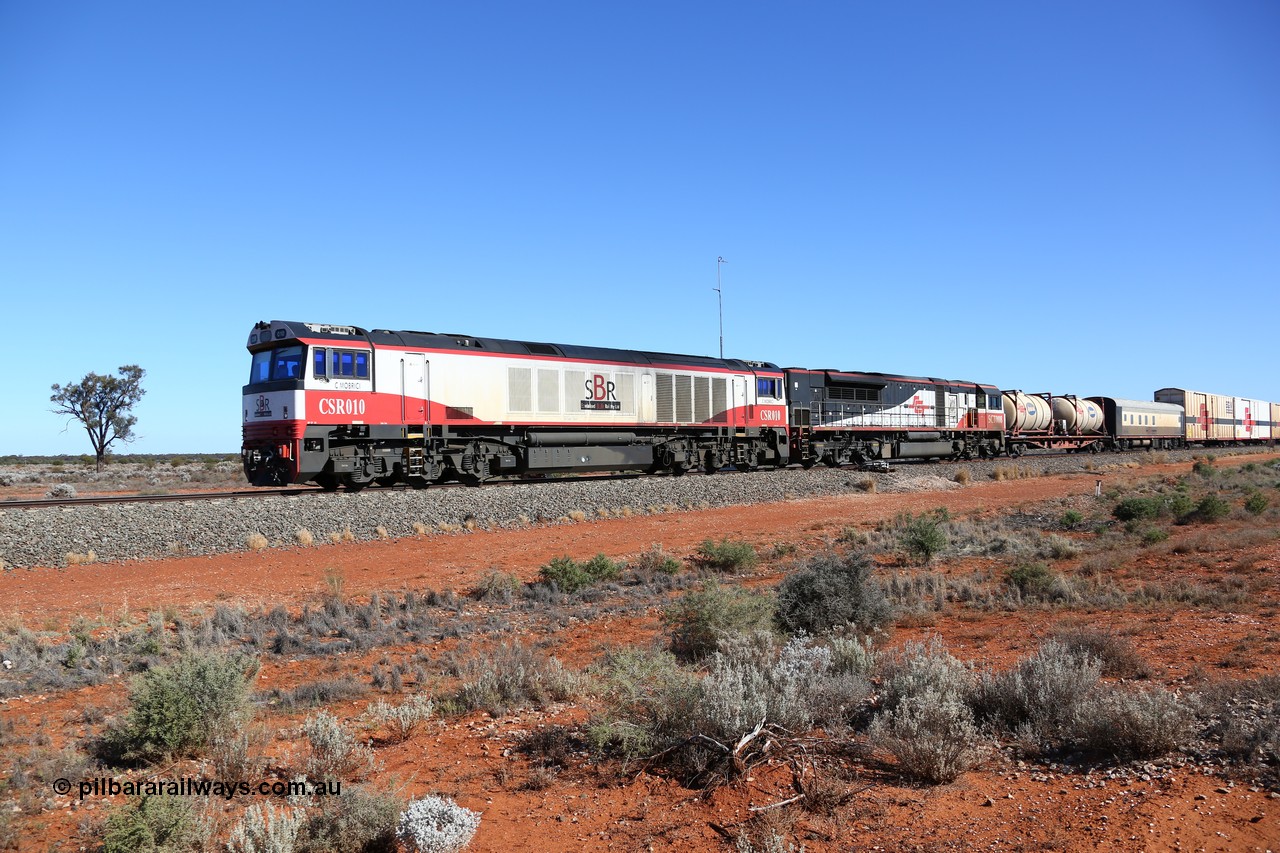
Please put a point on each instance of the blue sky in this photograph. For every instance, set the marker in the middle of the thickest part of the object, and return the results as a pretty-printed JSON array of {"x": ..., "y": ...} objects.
[{"x": 1079, "y": 197}]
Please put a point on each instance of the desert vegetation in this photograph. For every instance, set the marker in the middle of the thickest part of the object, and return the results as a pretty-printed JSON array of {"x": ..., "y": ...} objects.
[{"x": 808, "y": 674}]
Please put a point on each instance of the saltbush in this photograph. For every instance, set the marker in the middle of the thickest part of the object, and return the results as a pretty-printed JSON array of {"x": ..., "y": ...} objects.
[
  {"x": 832, "y": 591},
  {"x": 162, "y": 824},
  {"x": 1126, "y": 723},
  {"x": 356, "y": 821},
  {"x": 336, "y": 753},
  {"x": 727, "y": 556},
  {"x": 570, "y": 576},
  {"x": 510, "y": 676},
  {"x": 921, "y": 537},
  {"x": 932, "y": 735},
  {"x": 1131, "y": 509},
  {"x": 177, "y": 710},
  {"x": 262, "y": 829},
  {"x": 437, "y": 825},
  {"x": 697, "y": 621}
]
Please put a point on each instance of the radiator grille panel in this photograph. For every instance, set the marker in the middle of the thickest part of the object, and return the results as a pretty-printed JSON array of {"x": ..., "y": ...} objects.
[
  {"x": 719, "y": 400},
  {"x": 519, "y": 392},
  {"x": 684, "y": 399},
  {"x": 548, "y": 391},
  {"x": 574, "y": 391},
  {"x": 666, "y": 407},
  {"x": 701, "y": 399},
  {"x": 627, "y": 392}
]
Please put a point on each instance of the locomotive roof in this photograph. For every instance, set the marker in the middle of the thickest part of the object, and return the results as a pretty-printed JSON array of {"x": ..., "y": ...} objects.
[
  {"x": 439, "y": 341},
  {"x": 866, "y": 377}
]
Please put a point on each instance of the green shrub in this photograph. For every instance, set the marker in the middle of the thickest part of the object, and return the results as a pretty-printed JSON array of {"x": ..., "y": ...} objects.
[
  {"x": 656, "y": 561},
  {"x": 162, "y": 824},
  {"x": 1154, "y": 536},
  {"x": 727, "y": 556},
  {"x": 1180, "y": 504},
  {"x": 832, "y": 591},
  {"x": 357, "y": 821},
  {"x": 1203, "y": 467},
  {"x": 920, "y": 536},
  {"x": 1031, "y": 579},
  {"x": 1211, "y": 509},
  {"x": 648, "y": 702},
  {"x": 697, "y": 621},
  {"x": 570, "y": 576},
  {"x": 1071, "y": 518},
  {"x": 177, "y": 710},
  {"x": 1131, "y": 509},
  {"x": 1256, "y": 503}
]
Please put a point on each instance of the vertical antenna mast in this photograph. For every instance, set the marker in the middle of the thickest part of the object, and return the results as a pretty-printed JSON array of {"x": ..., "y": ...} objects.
[{"x": 720, "y": 302}]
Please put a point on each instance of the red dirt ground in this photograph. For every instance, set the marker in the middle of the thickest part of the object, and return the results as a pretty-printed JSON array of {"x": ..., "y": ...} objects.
[{"x": 1000, "y": 805}]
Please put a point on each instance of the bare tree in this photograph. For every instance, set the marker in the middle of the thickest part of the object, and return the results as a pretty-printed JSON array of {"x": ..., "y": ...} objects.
[{"x": 101, "y": 404}]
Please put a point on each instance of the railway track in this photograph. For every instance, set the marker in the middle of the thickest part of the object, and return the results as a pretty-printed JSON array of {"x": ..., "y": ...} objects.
[
  {"x": 874, "y": 467},
  {"x": 95, "y": 500}
]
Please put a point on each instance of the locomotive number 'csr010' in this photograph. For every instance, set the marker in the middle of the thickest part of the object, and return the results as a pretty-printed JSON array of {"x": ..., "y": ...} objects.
[{"x": 339, "y": 405}]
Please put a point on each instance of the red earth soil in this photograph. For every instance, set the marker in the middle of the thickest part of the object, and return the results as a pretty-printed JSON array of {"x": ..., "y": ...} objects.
[{"x": 1001, "y": 805}]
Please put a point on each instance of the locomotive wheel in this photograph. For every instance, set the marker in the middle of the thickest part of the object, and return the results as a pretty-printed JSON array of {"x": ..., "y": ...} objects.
[
  {"x": 327, "y": 481},
  {"x": 678, "y": 469}
]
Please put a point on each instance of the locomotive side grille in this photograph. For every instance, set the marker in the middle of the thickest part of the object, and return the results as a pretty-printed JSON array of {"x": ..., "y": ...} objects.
[
  {"x": 666, "y": 408},
  {"x": 627, "y": 392},
  {"x": 519, "y": 390},
  {"x": 548, "y": 390},
  {"x": 719, "y": 399},
  {"x": 575, "y": 384},
  {"x": 701, "y": 399},
  {"x": 684, "y": 399}
]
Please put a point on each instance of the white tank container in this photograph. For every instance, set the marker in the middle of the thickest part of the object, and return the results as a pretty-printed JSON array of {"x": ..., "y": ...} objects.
[
  {"x": 1080, "y": 416},
  {"x": 1025, "y": 412}
]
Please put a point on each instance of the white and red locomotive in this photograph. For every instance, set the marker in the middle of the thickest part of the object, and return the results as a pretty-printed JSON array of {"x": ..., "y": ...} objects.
[{"x": 339, "y": 405}]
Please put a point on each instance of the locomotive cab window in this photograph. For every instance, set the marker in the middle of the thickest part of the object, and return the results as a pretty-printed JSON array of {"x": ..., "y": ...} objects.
[
  {"x": 279, "y": 363},
  {"x": 769, "y": 388},
  {"x": 349, "y": 364},
  {"x": 319, "y": 360}
]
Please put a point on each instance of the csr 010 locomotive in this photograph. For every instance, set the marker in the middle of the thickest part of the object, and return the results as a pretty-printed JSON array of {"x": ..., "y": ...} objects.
[{"x": 339, "y": 405}]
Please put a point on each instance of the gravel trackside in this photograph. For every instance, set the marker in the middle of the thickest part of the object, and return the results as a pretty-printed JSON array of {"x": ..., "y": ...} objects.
[{"x": 54, "y": 536}]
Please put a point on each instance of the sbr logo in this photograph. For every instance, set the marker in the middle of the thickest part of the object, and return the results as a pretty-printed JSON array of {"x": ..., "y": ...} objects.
[
  {"x": 600, "y": 395},
  {"x": 598, "y": 388}
]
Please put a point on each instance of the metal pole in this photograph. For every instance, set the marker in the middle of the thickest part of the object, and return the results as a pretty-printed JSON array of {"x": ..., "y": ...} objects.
[{"x": 720, "y": 302}]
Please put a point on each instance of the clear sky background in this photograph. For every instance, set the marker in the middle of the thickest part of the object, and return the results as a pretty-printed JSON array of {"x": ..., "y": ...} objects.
[{"x": 1079, "y": 197}]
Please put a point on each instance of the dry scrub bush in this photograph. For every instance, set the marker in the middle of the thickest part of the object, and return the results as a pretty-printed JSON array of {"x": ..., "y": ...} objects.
[
  {"x": 74, "y": 559},
  {"x": 335, "y": 753},
  {"x": 401, "y": 721},
  {"x": 382, "y": 532},
  {"x": 419, "y": 528},
  {"x": 262, "y": 829},
  {"x": 963, "y": 476},
  {"x": 932, "y": 735},
  {"x": 510, "y": 676},
  {"x": 832, "y": 591},
  {"x": 356, "y": 820},
  {"x": 697, "y": 621},
  {"x": 256, "y": 542},
  {"x": 437, "y": 825},
  {"x": 303, "y": 537}
]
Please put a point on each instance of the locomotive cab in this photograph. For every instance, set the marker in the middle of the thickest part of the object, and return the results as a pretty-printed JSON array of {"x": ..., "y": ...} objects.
[{"x": 272, "y": 410}]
